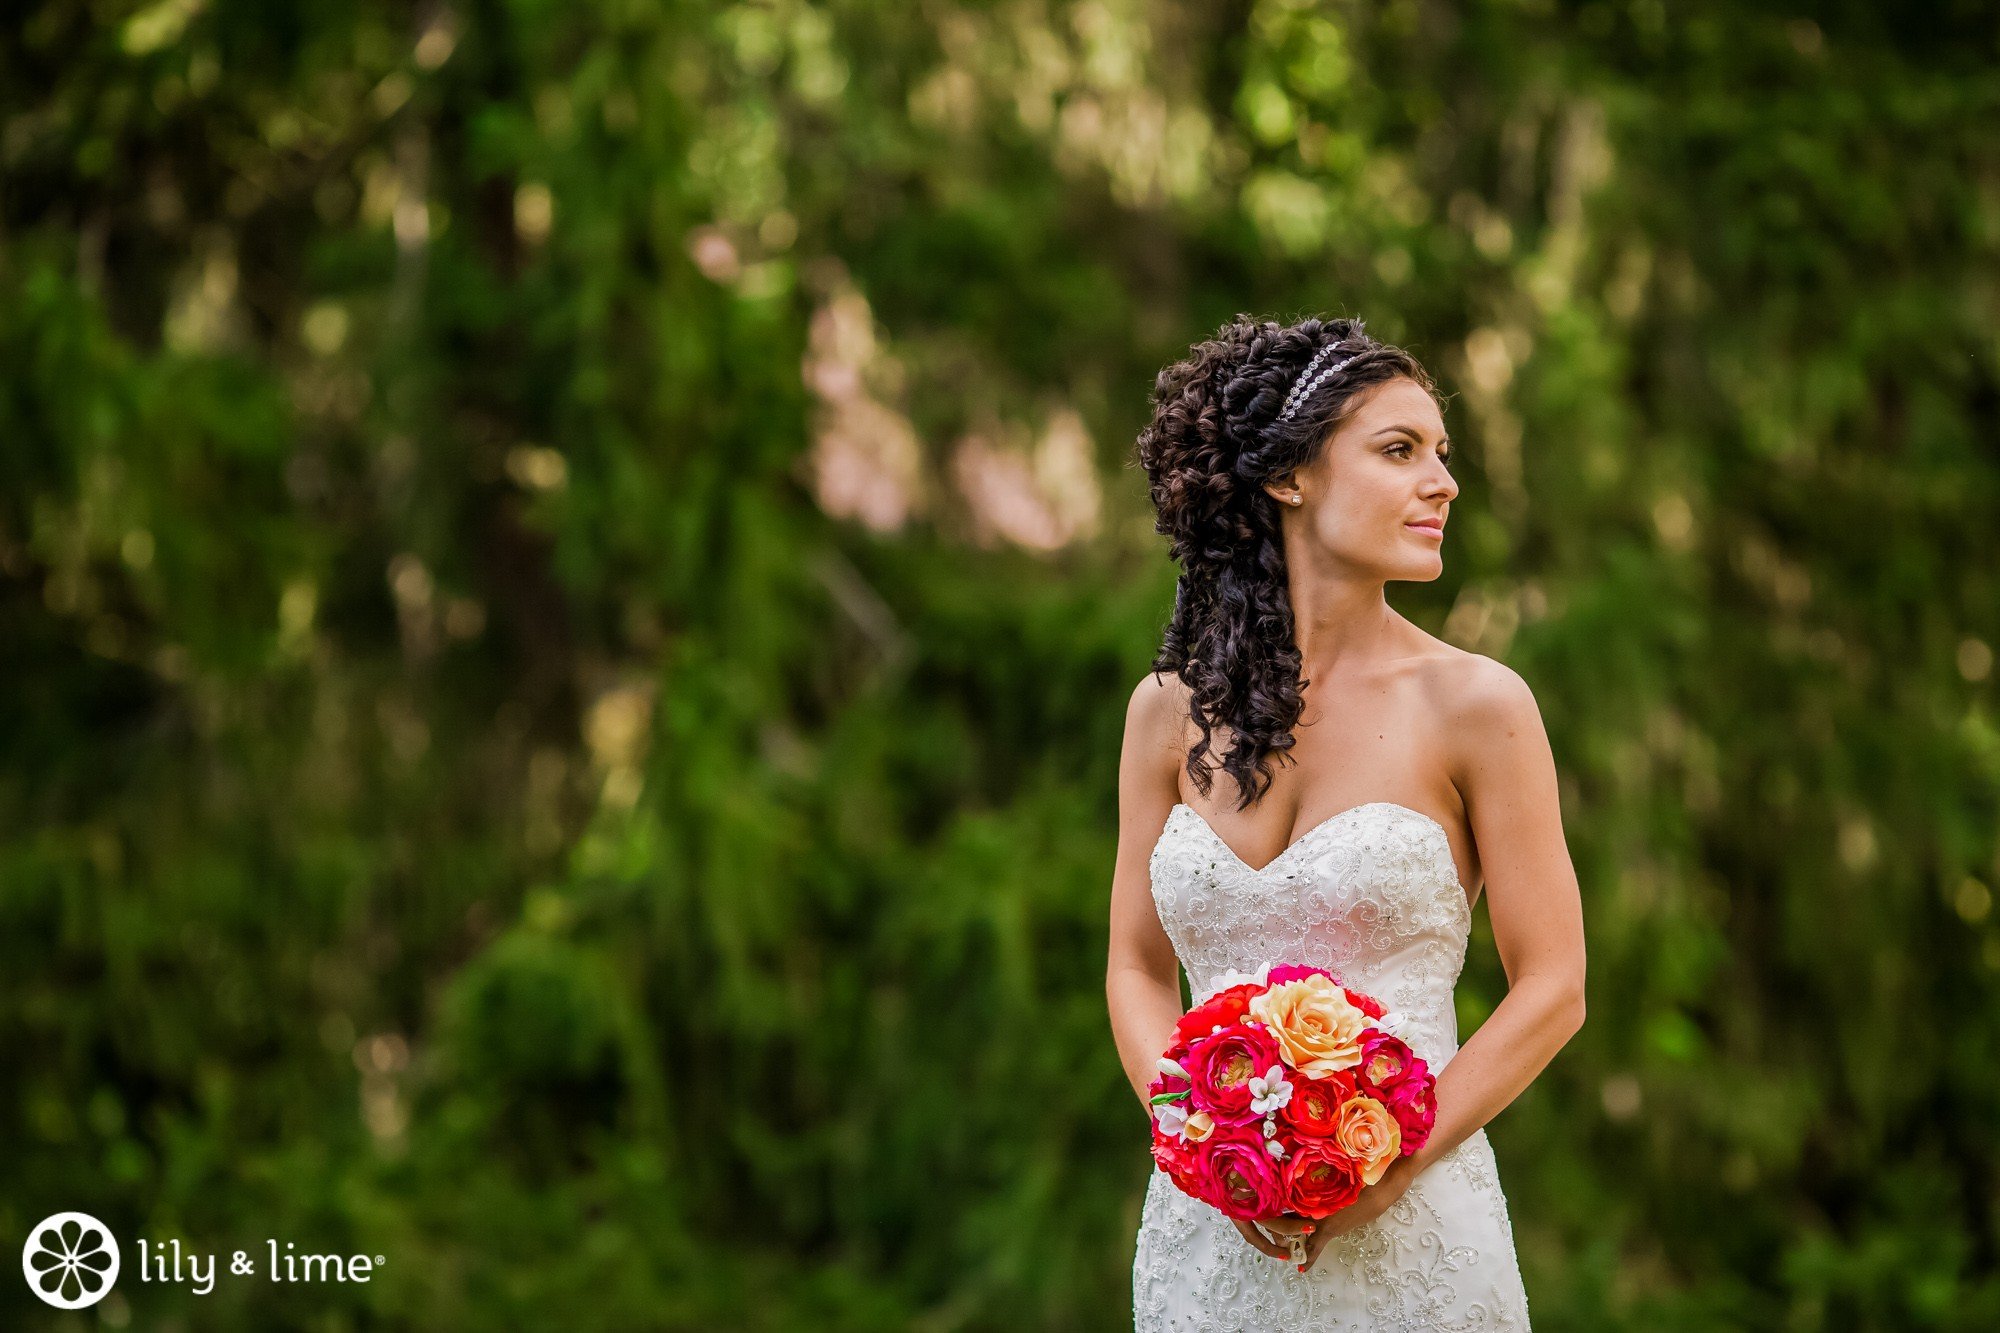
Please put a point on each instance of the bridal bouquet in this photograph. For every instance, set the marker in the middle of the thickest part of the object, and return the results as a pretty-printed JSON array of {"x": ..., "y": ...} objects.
[{"x": 1285, "y": 1093}]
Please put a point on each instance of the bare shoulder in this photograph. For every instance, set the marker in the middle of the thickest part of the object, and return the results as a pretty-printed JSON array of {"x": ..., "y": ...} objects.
[
  {"x": 1157, "y": 713},
  {"x": 1471, "y": 689},
  {"x": 1484, "y": 710}
]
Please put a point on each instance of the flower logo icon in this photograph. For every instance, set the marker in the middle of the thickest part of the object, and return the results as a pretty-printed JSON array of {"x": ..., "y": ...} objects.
[{"x": 71, "y": 1260}]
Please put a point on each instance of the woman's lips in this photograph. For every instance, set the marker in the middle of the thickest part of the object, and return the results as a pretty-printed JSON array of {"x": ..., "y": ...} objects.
[{"x": 1429, "y": 530}]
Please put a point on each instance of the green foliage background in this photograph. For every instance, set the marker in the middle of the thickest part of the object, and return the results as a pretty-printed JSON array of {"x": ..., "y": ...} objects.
[{"x": 470, "y": 795}]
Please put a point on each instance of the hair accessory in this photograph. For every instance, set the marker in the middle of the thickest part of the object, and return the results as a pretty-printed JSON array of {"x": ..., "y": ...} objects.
[{"x": 1302, "y": 388}]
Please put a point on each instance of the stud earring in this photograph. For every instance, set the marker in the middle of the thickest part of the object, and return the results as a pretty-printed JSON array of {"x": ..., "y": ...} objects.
[{"x": 1297, "y": 499}]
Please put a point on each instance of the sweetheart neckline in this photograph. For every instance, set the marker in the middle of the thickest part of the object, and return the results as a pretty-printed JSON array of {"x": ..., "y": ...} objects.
[{"x": 1335, "y": 817}]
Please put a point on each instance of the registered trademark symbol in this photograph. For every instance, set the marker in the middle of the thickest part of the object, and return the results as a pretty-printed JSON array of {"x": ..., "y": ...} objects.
[{"x": 380, "y": 1260}]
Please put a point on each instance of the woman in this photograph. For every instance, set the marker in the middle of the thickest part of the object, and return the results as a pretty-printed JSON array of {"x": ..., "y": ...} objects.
[{"x": 1297, "y": 470}]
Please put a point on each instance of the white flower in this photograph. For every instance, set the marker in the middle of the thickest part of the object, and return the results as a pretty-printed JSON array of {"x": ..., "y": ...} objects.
[
  {"x": 1277, "y": 1148},
  {"x": 1391, "y": 1022},
  {"x": 1174, "y": 1069},
  {"x": 1269, "y": 1090},
  {"x": 1172, "y": 1118},
  {"x": 1261, "y": 977}
]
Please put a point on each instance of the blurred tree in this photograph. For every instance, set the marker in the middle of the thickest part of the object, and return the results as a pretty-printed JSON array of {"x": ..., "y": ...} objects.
[{"x": 568, "y": 577}]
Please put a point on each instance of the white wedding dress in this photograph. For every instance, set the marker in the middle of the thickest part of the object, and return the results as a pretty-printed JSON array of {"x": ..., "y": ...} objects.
[{"x": 1371, "y": 894}]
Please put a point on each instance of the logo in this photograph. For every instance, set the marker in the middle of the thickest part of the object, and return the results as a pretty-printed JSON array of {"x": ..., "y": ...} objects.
[{"x": 70, "y": 1260}]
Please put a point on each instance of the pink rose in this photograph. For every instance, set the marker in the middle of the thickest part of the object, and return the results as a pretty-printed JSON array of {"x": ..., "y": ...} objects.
[
  {"x": 1222, "y": 1067},
  {"x": 1243, "y": 1178},
  {"x": 1413, "y": 1103},
  {"x": 1385, "y": 1060},
  {"x": 1293, "y": 971}
]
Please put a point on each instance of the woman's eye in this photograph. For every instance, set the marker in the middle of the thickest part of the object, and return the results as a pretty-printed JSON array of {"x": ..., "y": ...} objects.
[{"x": 1406, "y": 450}]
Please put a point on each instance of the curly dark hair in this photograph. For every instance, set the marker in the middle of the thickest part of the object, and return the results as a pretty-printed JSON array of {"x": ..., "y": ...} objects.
[{"x": 1214, "y": 441}]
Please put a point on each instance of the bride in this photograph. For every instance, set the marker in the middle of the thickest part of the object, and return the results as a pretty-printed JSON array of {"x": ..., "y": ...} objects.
[{"x": 1297, "y": 469}]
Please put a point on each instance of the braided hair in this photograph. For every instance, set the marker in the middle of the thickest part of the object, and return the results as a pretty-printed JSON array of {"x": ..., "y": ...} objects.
[{"x": 1236, "y": 412}]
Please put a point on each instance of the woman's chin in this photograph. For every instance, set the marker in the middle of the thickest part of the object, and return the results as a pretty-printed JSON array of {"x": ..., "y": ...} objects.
[{"x": 1418, "y": 571}]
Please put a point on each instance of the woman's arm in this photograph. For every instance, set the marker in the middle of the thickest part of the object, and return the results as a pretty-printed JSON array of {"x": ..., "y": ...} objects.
[
  {"x": 1507, "y": 775},
  {"x": 1142, "y": 986}
]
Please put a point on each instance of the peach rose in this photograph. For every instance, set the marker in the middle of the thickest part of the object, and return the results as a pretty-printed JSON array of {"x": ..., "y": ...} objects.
[
  {"x": 1369, "y": 1134},
  {"x": 1317, "y": 1028}
]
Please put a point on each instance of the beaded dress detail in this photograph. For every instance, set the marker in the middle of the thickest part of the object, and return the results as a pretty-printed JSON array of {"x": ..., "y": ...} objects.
[{"x": 1371, "y": 894}]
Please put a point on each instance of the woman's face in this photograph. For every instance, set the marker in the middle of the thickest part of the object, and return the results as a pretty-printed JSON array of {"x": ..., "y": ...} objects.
[{"x": 1380, "y": 473}]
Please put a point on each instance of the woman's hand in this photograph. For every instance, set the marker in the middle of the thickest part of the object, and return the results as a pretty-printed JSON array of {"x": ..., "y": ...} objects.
[
  {"x": 1284, "y": 1225},
  {"x": 1373, "y": 1201}
]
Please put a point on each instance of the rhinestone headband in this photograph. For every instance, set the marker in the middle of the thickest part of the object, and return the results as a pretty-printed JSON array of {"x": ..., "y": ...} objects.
[{"x": 1303, "y": 387}]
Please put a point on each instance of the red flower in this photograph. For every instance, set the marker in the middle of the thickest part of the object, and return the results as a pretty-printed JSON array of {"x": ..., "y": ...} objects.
[
  {"x": 1315, "y": 1104},
  {"x": 1178, "y": 1158},
  {"x": 1320, "y": 1179},
  {"x": 1223, "y": 1009},
  {"x": 1367, "y": 1004}
]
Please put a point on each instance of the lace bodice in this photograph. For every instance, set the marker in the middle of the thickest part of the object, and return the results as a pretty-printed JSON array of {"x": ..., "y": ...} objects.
[{"x": 1372, "y": 894}]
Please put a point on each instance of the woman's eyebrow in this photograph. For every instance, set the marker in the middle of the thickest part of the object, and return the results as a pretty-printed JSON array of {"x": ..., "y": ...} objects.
[{"x": 1410, "y": 431}]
